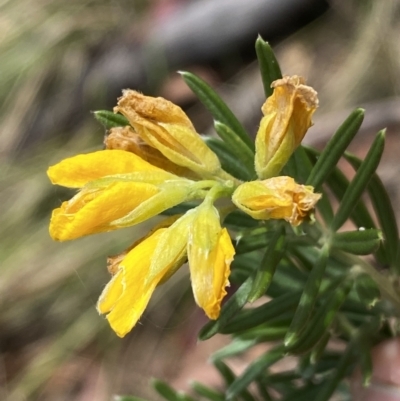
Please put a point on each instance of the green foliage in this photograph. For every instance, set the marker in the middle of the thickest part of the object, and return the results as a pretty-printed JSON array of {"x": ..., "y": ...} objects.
[{"x": 319, "y": 289}]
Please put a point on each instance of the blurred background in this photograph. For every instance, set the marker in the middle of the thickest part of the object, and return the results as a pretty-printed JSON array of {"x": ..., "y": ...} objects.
[{"x": 60, "y": 61}]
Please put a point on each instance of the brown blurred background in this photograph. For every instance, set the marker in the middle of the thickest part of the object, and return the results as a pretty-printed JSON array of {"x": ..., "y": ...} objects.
[{"x": 61, "y": 60}]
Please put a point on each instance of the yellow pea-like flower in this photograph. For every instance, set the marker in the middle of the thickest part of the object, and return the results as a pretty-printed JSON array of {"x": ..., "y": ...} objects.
[
  {"x": 151, "y": 261},
  {"x": 276, "y": 198},
  {"x": 287, "y": 117},
  {"x": 164, "y": 126},
  {"x": 126, "y": 296},
  {"x": 210, "y": 253},
  {"x": 119, "y": 189}
]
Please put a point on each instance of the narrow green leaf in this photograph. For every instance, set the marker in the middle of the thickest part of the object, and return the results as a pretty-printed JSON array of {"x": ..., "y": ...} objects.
[
  {"x": 265, "y": 272},
  {"x": 360, "y": 181},
  {"x": 335, "y": 148},
  {"x": 330, "y": 385},
  {"x": 216, "y": 106},
  {"x": 110, "y": 119},
  {"x": 229, "y": 378},
  {"x": 360, "y": 242},
  {"x": 305, "y": 164},
  {"x": 231, "y": 307},
  {"x": 248, "y": 241},
  {"x": 238, "y": 148},
  {"x": 384, "y": 210},
  {"x": 166, "y": 391},
  {"x": 338, "y": 183},
  {"x": 322, "y": 320},
  {"x": 249, "y": 318},
  {"x": 308, "y": 298},
  {"x": 273, "y": 331},
  {"x": 127, "y": 398},
  {"x": 269, "y": 66},
  {"x": 367, "y": 290},
  {"x": 237, "y": 346},
  {"x": 228, "y": 162},
  {"x": 240, "y": 219},
  {"x": 256, "y": 368},
  {"x": 319, "y": 349},
  {"x": 263, "y": 391},
  {"x": 207, "y": 392}
]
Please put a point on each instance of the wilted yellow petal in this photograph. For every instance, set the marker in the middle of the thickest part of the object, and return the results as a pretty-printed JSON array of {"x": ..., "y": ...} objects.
[
  {"x": 129, "y": 291},
  {"x": 287, "y": 117},
  {"x": 166, "y": 127},
  {"x": 92, "y": 211},
  {"x": 127, "y": 139},
  {"x": 276, "y": 198},
  {"x": 210, "y": 253},
  {"x": 77, "y": 171}
]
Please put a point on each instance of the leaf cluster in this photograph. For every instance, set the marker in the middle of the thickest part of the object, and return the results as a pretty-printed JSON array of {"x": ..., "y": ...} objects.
[{"x": 322, "y": 284}]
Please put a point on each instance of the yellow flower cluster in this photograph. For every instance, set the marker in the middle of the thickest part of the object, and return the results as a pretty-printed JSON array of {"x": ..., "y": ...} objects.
[{"x": 160, "y": 161}]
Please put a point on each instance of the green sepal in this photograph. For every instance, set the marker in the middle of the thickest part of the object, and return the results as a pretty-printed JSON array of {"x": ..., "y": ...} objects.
[
  {"x": 231, "y": 307},
  {"x": 384, "y": 211},
  {"x": 229, "y": 378},
  {"x": 110, "y": 119},
  {"x": 269, "y": 66},
  {"x": 367, "y": 290},
  {"x": 207, "y": 392},
  {"x": 216, "y": 106},
  {"x": 359, "y": 182},
  {"x": 308, "y": 298},
  {"x": 249, "y": 318},
  {"x": 335, "y": 148},
  {"x": 270, "y": 261},
  {"x": 238, "y": 148},
  {"x": 360, "y": 242},
  {"x": 228, "y": 161},
  {"x": 255, "y": 369}
]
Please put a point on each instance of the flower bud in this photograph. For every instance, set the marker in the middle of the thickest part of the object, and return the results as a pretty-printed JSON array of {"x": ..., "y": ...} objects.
[
  {"x": 287, "y": 117},
  {"x": 276, "y": 198}
]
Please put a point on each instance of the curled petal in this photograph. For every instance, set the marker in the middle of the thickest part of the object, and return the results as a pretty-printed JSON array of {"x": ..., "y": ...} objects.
[
  {"x": 127, "y": 294},
  {"x": 276, "y": 198},
  {"x": 210, "y": 253},
  {"x": 166, "y": 127},
  {"x": 92, "y": 211},
  {"x": 75, "y": 172},
  {"x": 287, "y": 117},
  {"x": 127, "y": 139}
]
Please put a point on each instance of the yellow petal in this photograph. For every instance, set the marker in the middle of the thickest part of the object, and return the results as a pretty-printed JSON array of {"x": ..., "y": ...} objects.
[
  {"x": 129, "y": 291},
  {"x": 210, "y": 253},
  {"x": 287, "y": 117},
  {"x": 92, "y": 212},
  {"x": 127, "y": 139},
  {"x": 276, "y": 198},
  {"x": 166, "y": 127},
  {"x": 77, "y": 171}
]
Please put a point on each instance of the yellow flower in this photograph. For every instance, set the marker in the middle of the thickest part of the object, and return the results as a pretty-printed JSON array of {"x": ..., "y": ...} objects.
[
  {"x": 287, "y": 117},
  {"x": 118, "y": 189},
  {"x": 157, "y": 257},
  {"x": 210, "y": 253},
  {"x": 276, "y": 198},
  {"x": 164, "y": 126}
]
